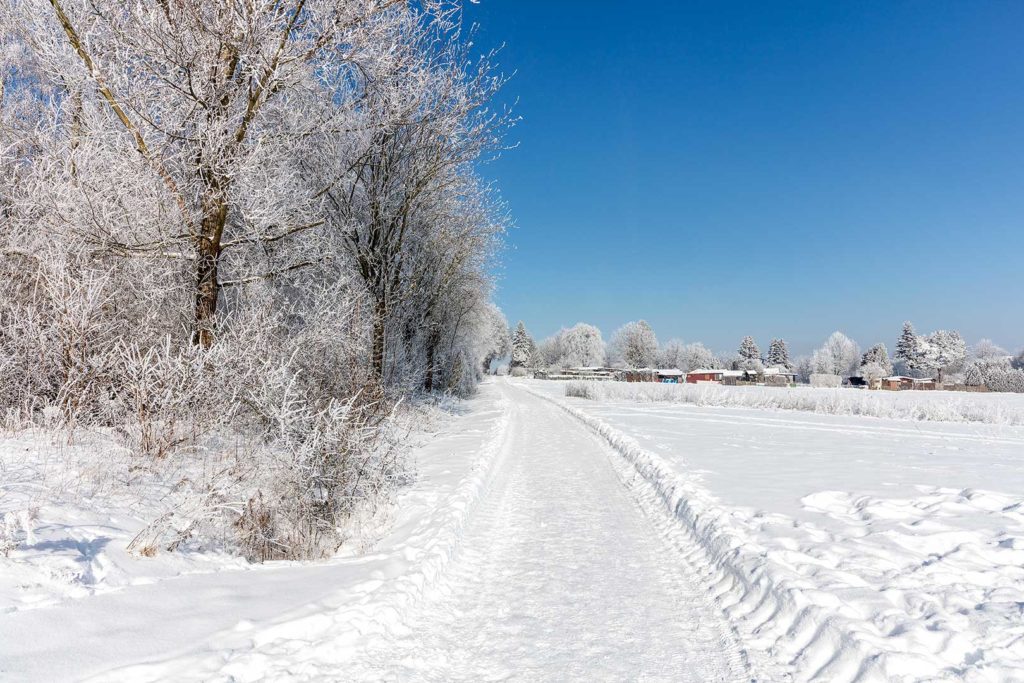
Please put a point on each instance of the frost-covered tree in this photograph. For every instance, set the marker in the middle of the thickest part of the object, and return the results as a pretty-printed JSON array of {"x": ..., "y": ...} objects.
[
  {"x": 804, "y": 368},
  {"x": 672, "y": 354},
  {"x": 634, "y": 345},
  {"x": 941, "y": 351},
  {"x": 838, "y": 356},
  {"x": 877, "y": 355},
  {"x": 985, "y": 363},
  {"x": 748, "y": 356},
  {"x": 537, "y": 359},
  {"x": 987, "y": 349},
  {"x": 247, "y": 216},
  {"x": 748, "y": 349},
  {"x": 580, "y": 346},
  {"x": 778, "y": 354},
  {"x": 907, "y": 350},
  {"x": 204, "y": 111},
  {"x": 230, "y": 148},
  {"x": 696, "y": 356},
  {"x": 492, "y": 338},
  {"x": 872, "y": 370},
  {"x": 522, "y": 347}
]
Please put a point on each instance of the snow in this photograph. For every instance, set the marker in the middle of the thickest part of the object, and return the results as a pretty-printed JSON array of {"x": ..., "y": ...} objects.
[
  {"x": 559, "y": 538},
  {"x": 851, "y": 548},
  {"x": 76, "y": 605}
]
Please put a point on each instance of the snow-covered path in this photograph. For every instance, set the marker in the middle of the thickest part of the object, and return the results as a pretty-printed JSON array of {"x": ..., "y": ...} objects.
[{"x": 560, "y": 577}]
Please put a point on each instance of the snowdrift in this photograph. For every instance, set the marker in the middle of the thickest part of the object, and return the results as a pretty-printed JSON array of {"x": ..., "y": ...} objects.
[{"x": 931, "y": 406}]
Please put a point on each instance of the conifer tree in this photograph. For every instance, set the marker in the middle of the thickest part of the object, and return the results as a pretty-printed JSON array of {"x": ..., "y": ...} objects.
[
  {"x": 522, "y": 346},
  {"x": 907, "y": 346},
  {"x": 778, "y": 354},
  {"x": 879, "y": 355},
  {"x": 748, "y": 349}
]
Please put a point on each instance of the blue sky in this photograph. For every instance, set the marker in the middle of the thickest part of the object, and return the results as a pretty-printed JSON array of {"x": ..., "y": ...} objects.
[{"x": 774, "y": 169}]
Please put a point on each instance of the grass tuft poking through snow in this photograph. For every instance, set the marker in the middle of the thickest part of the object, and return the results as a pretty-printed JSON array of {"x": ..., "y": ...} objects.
[{"x": 925, "y": 406}]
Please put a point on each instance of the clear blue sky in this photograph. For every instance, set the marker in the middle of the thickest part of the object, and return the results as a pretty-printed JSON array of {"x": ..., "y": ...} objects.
[{"x": 774, "y": 169}]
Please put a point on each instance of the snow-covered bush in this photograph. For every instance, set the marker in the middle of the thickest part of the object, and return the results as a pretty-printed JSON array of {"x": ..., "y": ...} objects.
[
  {"x": 16, "y": 527},
  {"x": 1005, "y": 380},
  {"x": 822, "y": 380},
  {"x": 583, "y": 390},
  {"x": 942, "y": 406}
]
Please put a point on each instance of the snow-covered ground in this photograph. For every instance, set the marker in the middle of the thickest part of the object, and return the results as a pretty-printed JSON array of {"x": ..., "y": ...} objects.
[
  {"x": 554, "y": 538},
  {"x": 75, "y": 605},
  {"x": 853, "y": 548}
]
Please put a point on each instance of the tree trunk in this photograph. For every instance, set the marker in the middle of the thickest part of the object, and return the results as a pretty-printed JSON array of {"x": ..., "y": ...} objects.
[
  {"x": 433, "y": 341},
  {"x": 379, "y": 328},
  {"x": 208, "y": 249},
  {"x": 207, "y": 293}
]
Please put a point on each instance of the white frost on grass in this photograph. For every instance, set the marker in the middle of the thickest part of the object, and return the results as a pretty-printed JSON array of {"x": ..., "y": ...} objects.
[
  {"x": 923, "y": 583},
  {"x": 937, "y": 406}
]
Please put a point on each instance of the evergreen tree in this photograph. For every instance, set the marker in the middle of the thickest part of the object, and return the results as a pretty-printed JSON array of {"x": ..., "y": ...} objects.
[
  {"x": 778, "y": 354},
  {"x": 879, "y": 355},
  {"x": 907, "y": 346},
  {"x": 749, "y": 350},
  {"x": 749, "y": 356},
  {"x": 522, "y": 347}
]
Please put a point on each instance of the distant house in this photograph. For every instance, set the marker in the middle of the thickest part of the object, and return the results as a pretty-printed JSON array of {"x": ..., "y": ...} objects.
[
  {"x": 903, "y": 383},
  {"x": 769, "y": 376},
  {"x": 665, "y": 376},
  {"x": 778, "y": 377},
  {"x": 636, "y": 375},
  {"x": 704, "y": 375},
  {"x": 897, "y": 383},
  {"x": 590, "y": 373},
  {"x": 734, "y": 377},
  {"x": 671, "y": 376}
]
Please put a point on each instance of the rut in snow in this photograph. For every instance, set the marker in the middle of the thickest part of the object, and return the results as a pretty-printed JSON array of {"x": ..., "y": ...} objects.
[{"x": 560, "y": 576}]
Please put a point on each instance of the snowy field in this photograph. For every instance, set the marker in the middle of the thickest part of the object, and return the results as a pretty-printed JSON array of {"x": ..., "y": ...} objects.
[{"x": 852, "y": 548}]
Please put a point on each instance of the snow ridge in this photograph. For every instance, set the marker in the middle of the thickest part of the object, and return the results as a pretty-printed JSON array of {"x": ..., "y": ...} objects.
[{"x": 800, "y": 628}]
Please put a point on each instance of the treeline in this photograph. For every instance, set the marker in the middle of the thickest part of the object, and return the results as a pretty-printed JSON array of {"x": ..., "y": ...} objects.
[
  {"x": 942, "y": 354},
  {"x": 257, "y": 217}
]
